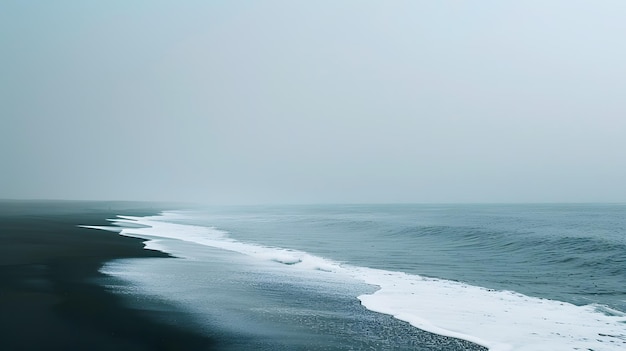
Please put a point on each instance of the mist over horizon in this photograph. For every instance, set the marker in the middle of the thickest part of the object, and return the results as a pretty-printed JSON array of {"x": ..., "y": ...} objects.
[{"x": 283, "y": 102}]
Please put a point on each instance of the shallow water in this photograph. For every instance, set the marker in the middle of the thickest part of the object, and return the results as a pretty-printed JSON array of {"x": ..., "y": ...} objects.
[{"x": 249, "y": 305}]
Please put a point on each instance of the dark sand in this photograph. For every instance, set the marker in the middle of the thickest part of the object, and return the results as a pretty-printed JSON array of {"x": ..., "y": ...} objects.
[
  {"x": 49, "y": 298},
  {"x": 52, "y": 296}
]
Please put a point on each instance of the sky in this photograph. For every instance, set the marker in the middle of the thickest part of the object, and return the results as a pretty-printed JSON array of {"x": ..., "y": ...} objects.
[{"x": 246, "y": 102}]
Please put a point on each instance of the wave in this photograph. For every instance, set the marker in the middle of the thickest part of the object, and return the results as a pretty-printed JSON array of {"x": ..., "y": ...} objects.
[{"x": 497, "y": 319}]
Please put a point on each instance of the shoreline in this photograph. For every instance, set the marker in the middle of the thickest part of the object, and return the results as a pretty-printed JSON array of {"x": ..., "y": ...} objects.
[
  {"x": 472, "y": 312},
  {"x": 425, "y": 337},
  {"x": 49, "y": 269}
]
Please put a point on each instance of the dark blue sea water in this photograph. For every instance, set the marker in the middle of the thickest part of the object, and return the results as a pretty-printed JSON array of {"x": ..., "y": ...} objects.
[{"x": 508, "y": 277}]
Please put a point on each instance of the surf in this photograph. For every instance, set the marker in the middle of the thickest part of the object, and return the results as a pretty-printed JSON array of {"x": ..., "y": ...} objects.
[{"x": 500, "y": 320}]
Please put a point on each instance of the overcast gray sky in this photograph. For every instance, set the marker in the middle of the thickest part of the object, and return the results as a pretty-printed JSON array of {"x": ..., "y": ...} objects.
[{"x": 313, "y": 101}]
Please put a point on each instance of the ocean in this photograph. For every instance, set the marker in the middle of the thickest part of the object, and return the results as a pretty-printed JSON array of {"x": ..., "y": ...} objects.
[{"x": 387, "y": 277}]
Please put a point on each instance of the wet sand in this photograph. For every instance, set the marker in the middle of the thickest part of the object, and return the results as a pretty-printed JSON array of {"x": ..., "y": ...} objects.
[{"x": 49, "y": 296}]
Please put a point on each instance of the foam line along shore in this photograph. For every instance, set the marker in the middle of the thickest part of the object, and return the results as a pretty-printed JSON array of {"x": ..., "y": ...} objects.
[{"x": 499, "y": 319}]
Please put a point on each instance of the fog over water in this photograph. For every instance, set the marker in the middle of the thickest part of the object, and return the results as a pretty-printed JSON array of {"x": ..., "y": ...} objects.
[{"x": 313, "y": 101}]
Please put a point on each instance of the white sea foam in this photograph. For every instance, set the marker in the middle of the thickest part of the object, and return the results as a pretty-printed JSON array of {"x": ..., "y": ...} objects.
[
  {"x": 157, "y": 226},
  {"x": 499, "y": 320}
]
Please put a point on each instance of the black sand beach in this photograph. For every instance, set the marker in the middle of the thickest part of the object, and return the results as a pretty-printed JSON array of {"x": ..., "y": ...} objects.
[
  {"x": 48, "y": 296},
  {"x": 53, "y": 297}
]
